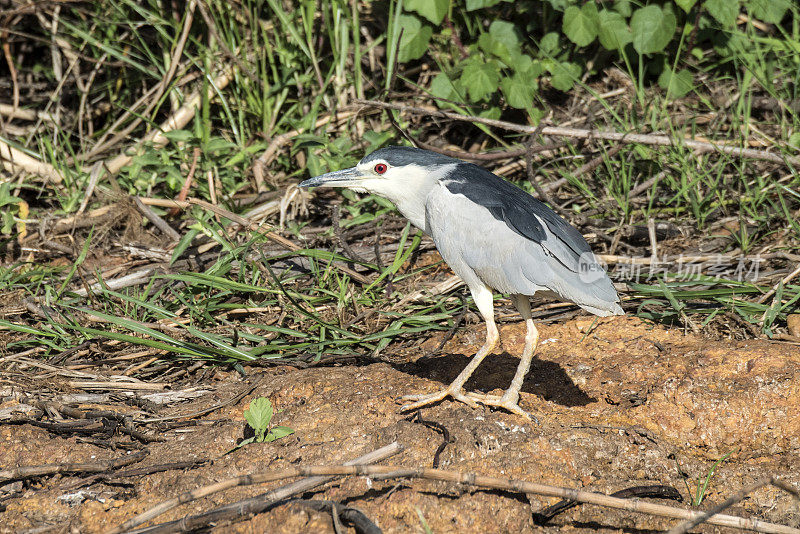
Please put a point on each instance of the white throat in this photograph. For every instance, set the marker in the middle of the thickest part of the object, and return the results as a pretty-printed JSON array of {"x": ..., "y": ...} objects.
[{"x": 409, "y": 190}]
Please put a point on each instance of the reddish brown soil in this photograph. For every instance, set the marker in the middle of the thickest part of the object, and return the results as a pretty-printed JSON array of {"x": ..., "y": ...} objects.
[{"x": 625, "y": 404}]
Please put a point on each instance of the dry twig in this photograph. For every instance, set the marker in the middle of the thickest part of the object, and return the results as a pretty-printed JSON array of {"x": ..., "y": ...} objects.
[
  {"x": 32, "y": 471},
  {"x": 245, "y": 506},
  {"x": 686, "y": 526},
  {"x": 473, "y": 479},
  {"x": 645, "y": 139}
]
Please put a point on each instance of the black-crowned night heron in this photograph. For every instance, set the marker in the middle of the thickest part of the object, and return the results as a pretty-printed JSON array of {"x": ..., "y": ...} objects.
[{"x": 495, "y": 236}]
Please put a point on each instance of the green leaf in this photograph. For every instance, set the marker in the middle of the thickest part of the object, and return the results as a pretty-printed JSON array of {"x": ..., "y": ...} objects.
[
  {"x": 258, "y": 415},
  {"x": 677, "y": 84},
  {"x": 442, "y": 87},
  {"x": 415, "y": 38},
  {"x": 6, "y": 222},
  {"x": 492, "y": 47},
  {"x": 433, "y": 10},
  {"x": 472, "y": 5},
  {"x": 179, "y": 136},
  {"x": 218, "y": 144},
  {"x": 480, "y": 79},
  {"x": 5, "y": 195},
  {"x": 686, "y": 5},
  {"x": 580, "y": 24},
  {"x": 493, "y": 112},
  {"x": 564, "y": 75},
  {"x": 279, "y": 432},
  {"x": 506, "y": 33},
  {"x": 518, "y": 91},
  {"x": 146, "y": 158},
  {"x": 183, "y": 244},
  {"x": 502, "y": 41},
  {"x": 377, "y": 139},
  {"x": 769, "y": 11},
  {"x": 794, "y": 139},
  {"x": 652, "y": 28},
  {"x": 723, "y": 11},
  {"x": 523, "y": 64},
  {"x": 623, "y": 7},
  {"x": 549, "y": 43},
  {"x": 614, "y": 32}
]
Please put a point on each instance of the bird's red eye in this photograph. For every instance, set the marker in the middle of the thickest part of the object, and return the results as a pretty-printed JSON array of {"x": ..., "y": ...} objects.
[{"x": 381, "y": 168}]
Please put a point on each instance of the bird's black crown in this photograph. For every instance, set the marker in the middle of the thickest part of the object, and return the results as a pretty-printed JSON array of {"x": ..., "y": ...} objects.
[{"x": 400, "y": 156}]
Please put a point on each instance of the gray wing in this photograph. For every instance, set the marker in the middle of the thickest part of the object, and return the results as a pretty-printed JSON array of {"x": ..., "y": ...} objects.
[
  {"x": 522, "y": 213},
  {"x": 515, "y": 243}
]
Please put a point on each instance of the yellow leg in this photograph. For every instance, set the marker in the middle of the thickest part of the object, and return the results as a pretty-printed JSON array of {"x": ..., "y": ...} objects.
[
  {"x": 510, "y": 398},
  {"x": 483, "y": 299}
]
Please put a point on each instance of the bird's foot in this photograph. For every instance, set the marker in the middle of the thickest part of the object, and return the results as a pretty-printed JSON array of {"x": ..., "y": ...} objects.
[
  {"x": 424, "y": 400},
  {"x": 507, "y": 402}
]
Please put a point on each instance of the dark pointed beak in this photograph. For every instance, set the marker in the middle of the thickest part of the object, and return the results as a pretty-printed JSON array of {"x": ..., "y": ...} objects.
[{"x": 343, "y": 178}]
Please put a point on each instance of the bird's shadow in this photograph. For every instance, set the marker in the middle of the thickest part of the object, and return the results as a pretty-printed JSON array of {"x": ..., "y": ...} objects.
[{"x": 545, "y": 379}]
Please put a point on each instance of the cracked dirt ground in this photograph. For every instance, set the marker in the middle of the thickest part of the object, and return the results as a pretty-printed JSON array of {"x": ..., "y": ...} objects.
[{"x": 622, "y": 404}]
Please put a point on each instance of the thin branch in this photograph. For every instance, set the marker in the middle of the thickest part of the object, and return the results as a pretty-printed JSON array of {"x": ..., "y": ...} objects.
[
  {"x": 471, "y": 479},
  {"x": 645, "y": 139},
  {"x": 281, "y": 493},
  {"x": 154, "y": 218},
  {"x": 32, "y": 471},
  {"x": 13, "y": 160},
  {"x": 686, "y": 526}
]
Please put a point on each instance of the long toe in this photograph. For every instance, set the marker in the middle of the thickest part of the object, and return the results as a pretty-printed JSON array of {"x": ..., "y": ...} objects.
[
  {"x": 504, "y": 402},
  {"x": 425, "y": 400}
]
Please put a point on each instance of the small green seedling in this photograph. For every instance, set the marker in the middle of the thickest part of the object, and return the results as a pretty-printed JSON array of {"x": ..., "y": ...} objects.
[
  {"x": 702, "y": 485},
  {"x": 259, "y": 416},
  {"x": 425, "y": 527}
]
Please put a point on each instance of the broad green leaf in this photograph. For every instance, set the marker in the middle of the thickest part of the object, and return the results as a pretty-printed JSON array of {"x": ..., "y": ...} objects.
[
  {"x": 244, "y": 442},
  {"x": 614, "y": 32},
  {"x": 493, "y": 112},
  {"x": 723, "y": 11},
  {"x": 652, "y": 28},
  {"x": 686, "y": 5},
  {"x": 442, "y": 87},
  {"x": 580, "y": 24},
  {"x": 506, "y": 33},
  {"x": 279, "y": 432},
  {"x": 415, "y": 38},
  {"x": 677, "y": 84},
  {"x": 549, "y": 43},
  {"x": 472, "y": 5},
  {"x": 623, "y": 7},
  {"x": 518, "y": 91},
  {"x": 259, "y": 414},
  {"x": 7, "y": 222},
  {"x": 564, "y": 75},
  {"x": 493, "y": 47},
  {"x": 5, "y": 195},
  {"x": 769, "y": 11},
  {"x": 480, "y": 79},
  {"x": 521, "y": 63},
  {"x": 433, "y": 10}
]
